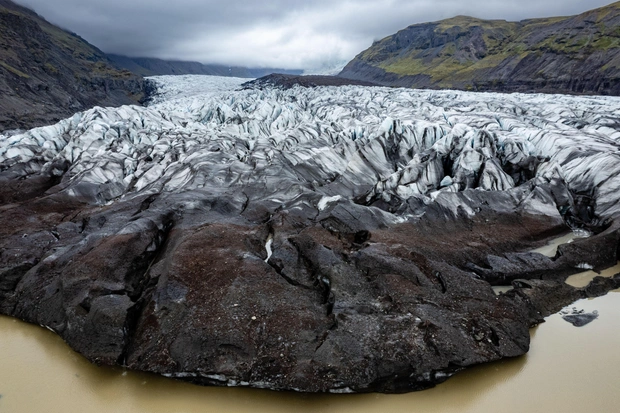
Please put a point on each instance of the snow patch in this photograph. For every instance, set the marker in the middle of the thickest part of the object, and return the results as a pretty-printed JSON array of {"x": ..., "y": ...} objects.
[
  {"x": 268, "y": 245},
  {"x": 327, "y": 200}
]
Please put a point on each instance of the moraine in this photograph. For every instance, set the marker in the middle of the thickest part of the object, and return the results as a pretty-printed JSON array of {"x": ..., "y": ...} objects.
[{"x": 139, "y": 234}]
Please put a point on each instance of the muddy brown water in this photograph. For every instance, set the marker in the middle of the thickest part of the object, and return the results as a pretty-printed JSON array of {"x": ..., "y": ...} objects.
[
  {"x": 551, "y": 248},
  {"x": 568, "y": 369}
]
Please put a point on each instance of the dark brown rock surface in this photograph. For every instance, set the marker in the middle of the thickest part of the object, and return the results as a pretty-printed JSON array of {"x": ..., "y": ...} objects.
[{"x": 189, "y": 294}]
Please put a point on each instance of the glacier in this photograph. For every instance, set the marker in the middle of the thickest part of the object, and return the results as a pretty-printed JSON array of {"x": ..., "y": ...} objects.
[
  {"x": 385, "y": 144},
  {"x": 361, "y": 228}
]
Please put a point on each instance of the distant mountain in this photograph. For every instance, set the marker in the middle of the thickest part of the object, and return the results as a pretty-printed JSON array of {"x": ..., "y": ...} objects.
[
  {"x": 147, "y": 66},
  {"x": 578, "y": 54},
  {"x": 47, "y": 73}
]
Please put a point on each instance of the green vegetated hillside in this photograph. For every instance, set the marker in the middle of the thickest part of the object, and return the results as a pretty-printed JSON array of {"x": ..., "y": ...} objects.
[
  {"x": 577, "y": 54},
  {"x": 47, "y": 73}
]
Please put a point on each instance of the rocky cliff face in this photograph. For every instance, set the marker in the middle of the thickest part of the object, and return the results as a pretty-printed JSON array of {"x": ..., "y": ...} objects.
[
  {"x": 579, "y": 54},
  {"x": 47, "y": 74}
]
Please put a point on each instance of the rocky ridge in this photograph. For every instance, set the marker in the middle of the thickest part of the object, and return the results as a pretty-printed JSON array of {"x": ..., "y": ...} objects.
[
  {"x": 48, "y": 74},
  {"x": 313, "y": 239},
  {"x": 577, "y": 54},
  {"x": 285, "y": 81}
]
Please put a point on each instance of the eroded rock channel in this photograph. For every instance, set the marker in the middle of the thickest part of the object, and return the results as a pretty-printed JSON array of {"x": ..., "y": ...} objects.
[{"x": 330, "y": 239}]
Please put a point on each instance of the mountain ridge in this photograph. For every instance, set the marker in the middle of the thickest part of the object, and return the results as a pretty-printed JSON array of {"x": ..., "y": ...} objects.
[
  {"x": 149, "y": 66},
  {"x": 574, "y": 54},
  {"x": 48, "y": 73}
]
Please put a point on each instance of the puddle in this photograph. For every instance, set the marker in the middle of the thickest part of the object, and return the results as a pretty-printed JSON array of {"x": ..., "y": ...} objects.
[
  {"x": 551, "y": 248},
  {"x": 577, "y": 280},
  {"x": 583, "y": 278},
  {"x": 501, "y": 289},
  {"x": 568, "y": 369}
]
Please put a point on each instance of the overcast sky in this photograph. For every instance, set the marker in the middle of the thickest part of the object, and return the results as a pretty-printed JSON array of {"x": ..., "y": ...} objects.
[{"x": 269, "y": 33}]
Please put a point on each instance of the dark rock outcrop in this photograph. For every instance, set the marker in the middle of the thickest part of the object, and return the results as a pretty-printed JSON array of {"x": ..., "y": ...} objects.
[
  {"x": 579, "y": 318},
  {"x": 578, "y": 54},
  {"x": 288, "y": 81},
  {"x": 47, "y": 74}
]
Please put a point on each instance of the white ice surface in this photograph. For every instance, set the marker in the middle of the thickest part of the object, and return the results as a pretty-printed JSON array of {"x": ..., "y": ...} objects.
[{"x": 204, "y": 130}]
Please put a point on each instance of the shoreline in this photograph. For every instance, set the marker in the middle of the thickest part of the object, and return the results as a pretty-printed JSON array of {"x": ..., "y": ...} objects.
[{"x": 565, "y": 370}]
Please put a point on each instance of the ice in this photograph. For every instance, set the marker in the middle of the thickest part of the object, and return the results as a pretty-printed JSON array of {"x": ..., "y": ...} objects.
[
  {"x": 346, "y": 142},
  {"x": 325, "y": 201}
]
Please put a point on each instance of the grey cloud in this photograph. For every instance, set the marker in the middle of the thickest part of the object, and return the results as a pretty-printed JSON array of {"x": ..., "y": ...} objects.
[{"x": 286, "y": 34}]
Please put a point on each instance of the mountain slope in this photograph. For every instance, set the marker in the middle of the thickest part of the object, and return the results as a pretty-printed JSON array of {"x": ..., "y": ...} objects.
[
  {"x": 47, "y": 73},
  {"x": 578, "y": 54},
  {"x": 147, "y": 66}
]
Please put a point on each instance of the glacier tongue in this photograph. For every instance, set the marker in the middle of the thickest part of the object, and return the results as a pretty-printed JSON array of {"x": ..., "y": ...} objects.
[
  {"x": 349, "y": 141},
  {"x": 316, "y": 239}
]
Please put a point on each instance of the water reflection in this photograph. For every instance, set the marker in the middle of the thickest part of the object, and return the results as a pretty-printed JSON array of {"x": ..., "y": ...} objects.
[{"x": 568, "y": 369}]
